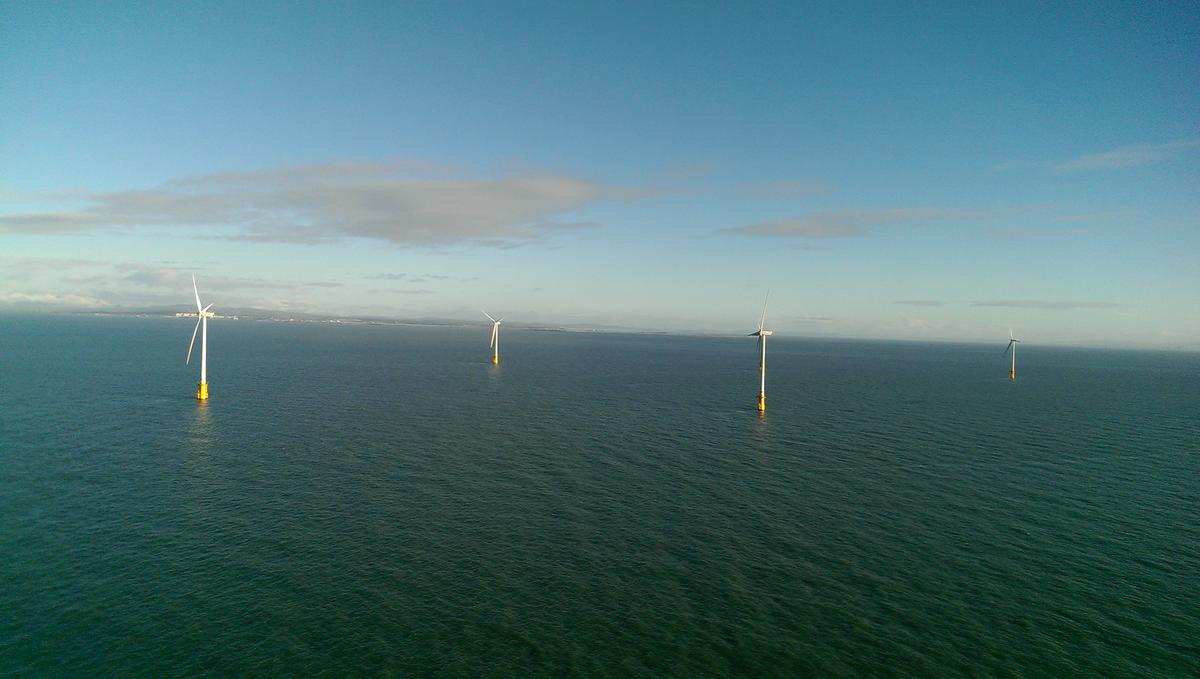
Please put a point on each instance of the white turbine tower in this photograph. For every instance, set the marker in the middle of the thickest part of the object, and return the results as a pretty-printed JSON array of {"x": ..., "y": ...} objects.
[
  {"x": 495, "y": 344},
  {"x": 202, "y": 316},
  {"x": 1012, "y": 345},
  {"x": 762, "y": 336}
]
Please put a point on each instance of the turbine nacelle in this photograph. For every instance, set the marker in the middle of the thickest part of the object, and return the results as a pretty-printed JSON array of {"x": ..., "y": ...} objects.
[
  {"x": 1011, "y": 341},
  {"x": 205, "y": 314}
]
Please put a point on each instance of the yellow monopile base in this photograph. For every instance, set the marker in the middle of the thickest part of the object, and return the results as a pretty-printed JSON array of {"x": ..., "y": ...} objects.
[
  {"x": 762, "y": 402},
  {"x": 202, "y": 392},
  {"x": 1012, "y": 375},
  {"x": 495, "y": 360}
]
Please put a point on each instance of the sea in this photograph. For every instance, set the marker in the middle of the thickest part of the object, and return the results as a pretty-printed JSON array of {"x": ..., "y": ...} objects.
[{"x": 380, "y": 500}]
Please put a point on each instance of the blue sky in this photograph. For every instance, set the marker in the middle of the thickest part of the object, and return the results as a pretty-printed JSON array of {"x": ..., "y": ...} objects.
[{"x": 938, "y": 171}]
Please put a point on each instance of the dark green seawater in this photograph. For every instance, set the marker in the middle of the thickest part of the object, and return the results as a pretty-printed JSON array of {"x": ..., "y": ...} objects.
[{"x": 359, "y": 501}]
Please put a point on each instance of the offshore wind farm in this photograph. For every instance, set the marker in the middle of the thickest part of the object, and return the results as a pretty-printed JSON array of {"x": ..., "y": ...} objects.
[
  {"x": 597, "y": 497},
  {"x": 343, "y": 483}
]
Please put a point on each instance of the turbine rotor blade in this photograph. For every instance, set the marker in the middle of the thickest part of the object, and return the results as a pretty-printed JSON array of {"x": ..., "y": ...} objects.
[
  {"x": 207, "y": 308},
  {"x": 190, "y": 344},
  {"x": 1006, "y": 349},
  {"x": 488, "y": 315},
  {"x": 495, "y": 331},
  {"x": 197, "y": 293},
  {"x": 763, "y": 320}
]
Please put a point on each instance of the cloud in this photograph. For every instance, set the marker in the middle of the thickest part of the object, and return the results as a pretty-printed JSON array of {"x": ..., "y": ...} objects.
[
  {"x": 411, "y": 205},
  {"x": 413, "y": 278},
  {"x": 42, "y": 299},
  {"x": 24, "y": 266},
  {"x": 1041, "y": 304},
  {"x": 919, "y": 302},
  {"x": 382, "y": 291},
  {"x": 568, "y": 226},
  {"x": 180, "y": 278},
  {"x": 62, "y": 284},
  {"x": 846, "y": 223},
  {"x": 1126, "y": 156}
]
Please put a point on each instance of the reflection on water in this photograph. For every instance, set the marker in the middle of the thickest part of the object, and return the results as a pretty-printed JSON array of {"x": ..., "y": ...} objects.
[
  {"x": 760, "y": 429},
  {"x": 200, "y": 427},
  {"x": 495, "y": 371}
]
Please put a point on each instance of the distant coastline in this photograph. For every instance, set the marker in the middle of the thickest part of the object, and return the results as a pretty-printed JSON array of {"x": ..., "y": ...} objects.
[{"x": 270, "y": 316}]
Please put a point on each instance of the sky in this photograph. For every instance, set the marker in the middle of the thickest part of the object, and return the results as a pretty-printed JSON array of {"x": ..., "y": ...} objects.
[{"x": 921, "y": 171}]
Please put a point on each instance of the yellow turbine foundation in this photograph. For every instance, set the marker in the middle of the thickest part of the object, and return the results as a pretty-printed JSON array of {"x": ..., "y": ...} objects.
[
  {"x": 1012, "y": 375},
  {"x": 495, "y": 360},
  {"x": 202, "y": 392},
  {"x": 762, "y": 402}
]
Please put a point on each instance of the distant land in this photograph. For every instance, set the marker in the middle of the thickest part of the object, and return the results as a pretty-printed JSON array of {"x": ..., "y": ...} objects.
[
  {"x": 277, "y": 316},
  {"x": 283, "y": 316}
]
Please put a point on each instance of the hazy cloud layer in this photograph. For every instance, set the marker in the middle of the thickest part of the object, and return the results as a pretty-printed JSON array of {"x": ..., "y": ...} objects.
[
  {"x": 49, "y": 282},
  {"x": 413, "y": 278},
  {"x": 920, "y": 302},
  {"x": 1127, "y": 156},
  {"x": 50, "y": 299},
  {"x": 405, "y": 204},
  {"x": 384, "y": 291},
  {"x": 810, "y": 319},
  {"x": 170, "y": 278},
  {"x": 847, "y": 223},
  {"x": 1042, "y": 304},
  {"x": 24, "y": 266}
]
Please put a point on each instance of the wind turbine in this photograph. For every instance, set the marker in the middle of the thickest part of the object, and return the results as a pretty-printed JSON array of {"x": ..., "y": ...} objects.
[
  {"x": 495, "y": 343},
  {"x": 762, "y": 336},
  {"x": 1012, "y": 345},
  {"x": 202, "y": 316}
]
